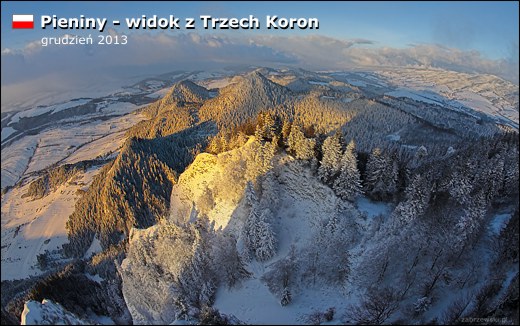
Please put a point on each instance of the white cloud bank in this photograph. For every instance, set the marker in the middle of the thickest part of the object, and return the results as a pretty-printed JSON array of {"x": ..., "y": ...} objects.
[{"x": 36, "y": 74}]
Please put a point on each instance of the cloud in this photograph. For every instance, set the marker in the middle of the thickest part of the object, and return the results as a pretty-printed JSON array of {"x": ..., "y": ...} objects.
[
  {"x": 64, "y": 69},
  {"x": 47, "y": 72},
  {"x": 431, "y": 55}
]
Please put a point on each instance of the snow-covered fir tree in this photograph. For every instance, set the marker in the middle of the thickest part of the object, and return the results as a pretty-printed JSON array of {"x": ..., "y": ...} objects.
[
  {"x": 259, "y": 236},
  {"x": 306, "y": 149},
  {"x": 471, "y": 220},
  {"x": 266, "y": 241},
  {"x": 197, "y": 281},
  {"x": 286, "y": 130},
  {"x": 270, "y": 149},
  {"x": 460, "y": 186},
  {"x": 511, "y": 171},
  {"x": 250, "y": 194},
  {"x": 376, "y": 166},
  {"x": 495, "y": 176},
  {"x": 301, "y": 147},
  {"x": 381, "y": 175},
  {"x": 295, "y": 137},
  {"x": 418, "y": 195},
  {"x": 331, "y": 161},
  {"x": 270, "y": 191},
  {"x": 229, "y": 266},
  {"x": 348, "y": 184},
  {"x": 286, "y": 296},
  {"x": 271, "y": 126}
]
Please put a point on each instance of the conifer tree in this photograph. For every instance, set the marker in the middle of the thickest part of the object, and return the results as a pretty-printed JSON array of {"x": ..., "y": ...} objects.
[
  {"x": 381, "y": 175},
  {"x": 331, "y": 161},
  {"x": 286, "y": 296},
  {"x": 348, "y": 184},
  {"x": 300, "y": 146}
]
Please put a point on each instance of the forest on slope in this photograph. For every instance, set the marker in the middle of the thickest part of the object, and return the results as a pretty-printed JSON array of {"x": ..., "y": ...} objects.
[{"x": 445, "y": 180}]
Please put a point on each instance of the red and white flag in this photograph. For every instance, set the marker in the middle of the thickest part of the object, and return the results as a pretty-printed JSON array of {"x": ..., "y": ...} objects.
[{"x": 23, "y": 21}]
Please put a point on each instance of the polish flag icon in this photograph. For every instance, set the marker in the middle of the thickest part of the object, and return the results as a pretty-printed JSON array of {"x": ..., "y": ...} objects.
[{"x": 23, "y": 21}]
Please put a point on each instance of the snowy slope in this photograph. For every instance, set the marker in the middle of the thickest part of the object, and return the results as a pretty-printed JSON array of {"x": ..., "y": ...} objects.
[
  {"x": 302, "y": 207},
  {"x": 488, "y": 94},
  {"x": 483, "y": 93},
  {"x": 253, "y": 304},
  {"x": 207, "y": 171},
  {"x": 305, "y": 204},
  {"x": 57, "y": 144},
  {"x": 72, "y": 143},
  {"x": 6, "y": 132},
  {"x": 48, "y": 313},
  {"x": 31, "y": 227},
  {"x": 48, "y": 109},
  {"x": 216, "y": 83},
  {"x": 16, "y": 159}
]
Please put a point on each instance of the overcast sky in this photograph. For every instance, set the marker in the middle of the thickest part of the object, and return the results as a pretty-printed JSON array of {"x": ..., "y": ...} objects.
[{"x": 464, "y": 36}]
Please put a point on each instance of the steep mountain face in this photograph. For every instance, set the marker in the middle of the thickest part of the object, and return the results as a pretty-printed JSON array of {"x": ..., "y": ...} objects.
[
  {"x": 243, "y": 100},
  {"x": 181, "y": 94},
  {"x": 187, "y": 92},
  {"x": 177, "y": 111},
  {"x": 290, "y": 200},
  {"x": 155, "y": 285},
  {"x": 132, "y": 191}
]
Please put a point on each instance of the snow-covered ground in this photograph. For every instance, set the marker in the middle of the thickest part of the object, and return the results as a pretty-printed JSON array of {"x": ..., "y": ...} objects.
[
  {"x": 371, "y": 208},
  {"x": 417, "y": 96},
  {"x": 483, "y": 93},
  {"x": 312, "y": 82},
  {"x": 202, "y": 75},
  {"x": 353, "y": 78},
  {"x": 160, "y": 93},
  {"x": 6, "y": 132},
  {"x": 498, "y": 222},
  {"x": 72, "y": 143},
  {"x": 57, "y": 144},
  {"x": 94, "y": 248},
  {"x": 16, "y": 159},
  {"x": 97, "y": 148},
  {"x": 215, "y": 83},
  {"x": 253, "y": 304},
  {"x": 30, "y": 227},
  {"x": 47, "y": 313},
  {"x": 488, "y": 94},
  {"x": 109, "y": 106},
  {"x": 304, "y": 204},
  {"x": 119, "y": 108}
]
